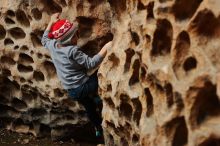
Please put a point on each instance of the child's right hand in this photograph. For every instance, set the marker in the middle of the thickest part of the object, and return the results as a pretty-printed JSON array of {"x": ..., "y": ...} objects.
[{"x": 108, "y": 45}]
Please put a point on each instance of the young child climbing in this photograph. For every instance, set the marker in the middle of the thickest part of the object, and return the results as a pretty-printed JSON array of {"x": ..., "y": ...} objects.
[{"x": 71, "y": 64}]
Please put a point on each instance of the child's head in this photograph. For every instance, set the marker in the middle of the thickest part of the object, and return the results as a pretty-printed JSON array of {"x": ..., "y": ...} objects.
[{"x": 65, "y": 32}]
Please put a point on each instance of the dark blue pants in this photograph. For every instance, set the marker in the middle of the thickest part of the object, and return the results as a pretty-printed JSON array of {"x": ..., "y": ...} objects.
[{"x": 87, "y": 95}]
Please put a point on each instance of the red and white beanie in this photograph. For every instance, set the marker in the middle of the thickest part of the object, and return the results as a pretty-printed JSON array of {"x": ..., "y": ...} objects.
[{"x": 63, "y": 30}]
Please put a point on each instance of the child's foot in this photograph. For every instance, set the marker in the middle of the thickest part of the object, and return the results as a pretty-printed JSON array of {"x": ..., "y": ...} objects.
[{"x": 98, "y": 131}]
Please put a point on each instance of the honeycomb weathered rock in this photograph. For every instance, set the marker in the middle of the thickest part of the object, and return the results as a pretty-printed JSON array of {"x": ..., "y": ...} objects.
[{"x": 158, "y": 82}]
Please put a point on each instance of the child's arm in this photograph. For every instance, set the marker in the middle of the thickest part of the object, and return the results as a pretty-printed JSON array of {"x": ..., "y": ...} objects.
[
  {"x": 86, "y": 61},
  {"x": 102, "y": 53},
  {"x": 45, "y": 40}
]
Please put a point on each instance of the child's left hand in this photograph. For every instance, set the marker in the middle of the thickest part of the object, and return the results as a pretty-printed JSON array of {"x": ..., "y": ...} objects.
[{"x": 54, "y": 17}]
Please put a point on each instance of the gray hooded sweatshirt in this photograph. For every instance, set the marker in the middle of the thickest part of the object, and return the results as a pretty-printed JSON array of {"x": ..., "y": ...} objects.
[{"x": 71, "y": 63}]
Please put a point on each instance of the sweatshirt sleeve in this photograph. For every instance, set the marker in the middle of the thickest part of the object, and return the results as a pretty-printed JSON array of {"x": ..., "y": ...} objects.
[
  {"x": 83, "y": 59},
  {"x": 47, "y": 42}
]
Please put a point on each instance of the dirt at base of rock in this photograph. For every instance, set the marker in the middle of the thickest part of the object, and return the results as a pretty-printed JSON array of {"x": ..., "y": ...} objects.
[{"x": 9, "y": 138}]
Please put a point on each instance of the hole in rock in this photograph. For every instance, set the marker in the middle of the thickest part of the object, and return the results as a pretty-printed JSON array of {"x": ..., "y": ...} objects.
[
  {"x": 129, "y": 54},
  {"x": 162, "y": 38},
  {"x": 212, "y": 141},
  {"x": 24, "y": 58},
  {"x": 125, "y": 109},
  {"x": 92, "y": 47},
  {"x": 17, "y": 33},
  {"x": 149, "y": 100},
  {"x": 120, "y": 129},
  {"x": 169, "y": 94},
  {"x": 6, "y": 72},
  {"x": 8, "y": 41},
  {"x": 10, "y": 13},
  {"x": 109, "y": 102},
  {"x": 183, "y": 9},
  {"x": 135, "y": 138},
  {"x": 148, "y": 40},
  {"x": 22, "y": 18},
  {"x": 190, "y": 64},
  {"x": 150, "y": 10},
  {"x": 85, "y": 26},
  {"x": 178, "y": 100},
  {"x": 9, "y": 87},
  {"x": 18, "y": 104},
  {"x": 24, "y": 48},
  {"x": 181, "y": 50},
  {"x": 135, "y": 38},
  {"x": 111, "y": 139},
  {"x": 95, "y": 3},
  {"x": 30, "y": 18},
  {"x": 29, "y": 81},
  {"x": 182, "y": 45},
  {"x": 50, "y": 69},
  {"x": 19, "y": 124},
  {"x": 16, "y": 47},
  {"x": 137, "y": 110},
  {"x": 114, "y": 59},
  {"x": 38, "y": 76},
  {"x": 7, "y": 111},
  {"x": 9, "y": 21},
  {"x": 7, "y": 60},
  {"x": 63, "y": 3},
  {"x": 24, "y": 69},
  {"x": 135, "y": 75},
  {"x": 46, "y": 56},
  {"x": 39, "y": 55},
  {"x": 26, "y": 87},
  {"x": 80, "y": 6},
  {"x": 37, "y": 113},
  {"x": 181, "y": 133},
  {"x": 58, "y": 92},
  {"x": 205, "y": 105},
  {"x": 178, "y": 130},
  {"x": 124, "y": 142},
  {"x": 51, "y": 7},
  {"x": 36, "y": 38},
  {"x": 2, "y": 32},
  {"x": 118, "y": 6},
  {"x": 32, "y": 53},
  {"x": 6, "y": 121},
  {"x": 36, "y": 13},
  {"x": 29, "y": 96},
  {"x": 3, "y": 100},
  {"x": 162, "y": 1},
  {"x": 206, "y": 18},
  {"x": 141, "y": 6},
  {"x": 109, "y": 87},
  {"x": 15, "y": 85},
  {"x": 22, "y": 80},
  {"x": 45, "y": 130}
]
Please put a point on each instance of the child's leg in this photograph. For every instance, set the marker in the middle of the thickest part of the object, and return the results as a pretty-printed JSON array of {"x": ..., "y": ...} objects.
[{"x": 90, "y": 108}]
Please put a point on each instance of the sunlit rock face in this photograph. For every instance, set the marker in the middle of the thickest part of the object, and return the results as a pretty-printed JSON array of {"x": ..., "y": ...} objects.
[{"x": 158, "y": 82}]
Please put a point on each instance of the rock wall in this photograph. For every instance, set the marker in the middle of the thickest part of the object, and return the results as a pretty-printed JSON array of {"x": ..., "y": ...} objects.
[{"x": 158, "y": 82}]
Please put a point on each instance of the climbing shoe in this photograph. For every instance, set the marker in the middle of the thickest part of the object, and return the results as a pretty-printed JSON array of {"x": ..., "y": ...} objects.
[{"x": 98, "y": 131}]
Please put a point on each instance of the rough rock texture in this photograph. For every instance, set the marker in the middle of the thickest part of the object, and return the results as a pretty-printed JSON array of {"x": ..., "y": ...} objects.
[{"x": 158, "y": 82}]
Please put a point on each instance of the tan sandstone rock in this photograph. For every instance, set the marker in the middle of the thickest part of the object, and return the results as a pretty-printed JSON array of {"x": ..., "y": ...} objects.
[{"x": 159, "y": 82}]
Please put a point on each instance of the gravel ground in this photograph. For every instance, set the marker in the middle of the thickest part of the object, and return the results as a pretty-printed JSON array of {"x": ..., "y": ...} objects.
[{"x": 9, "y": 138}]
